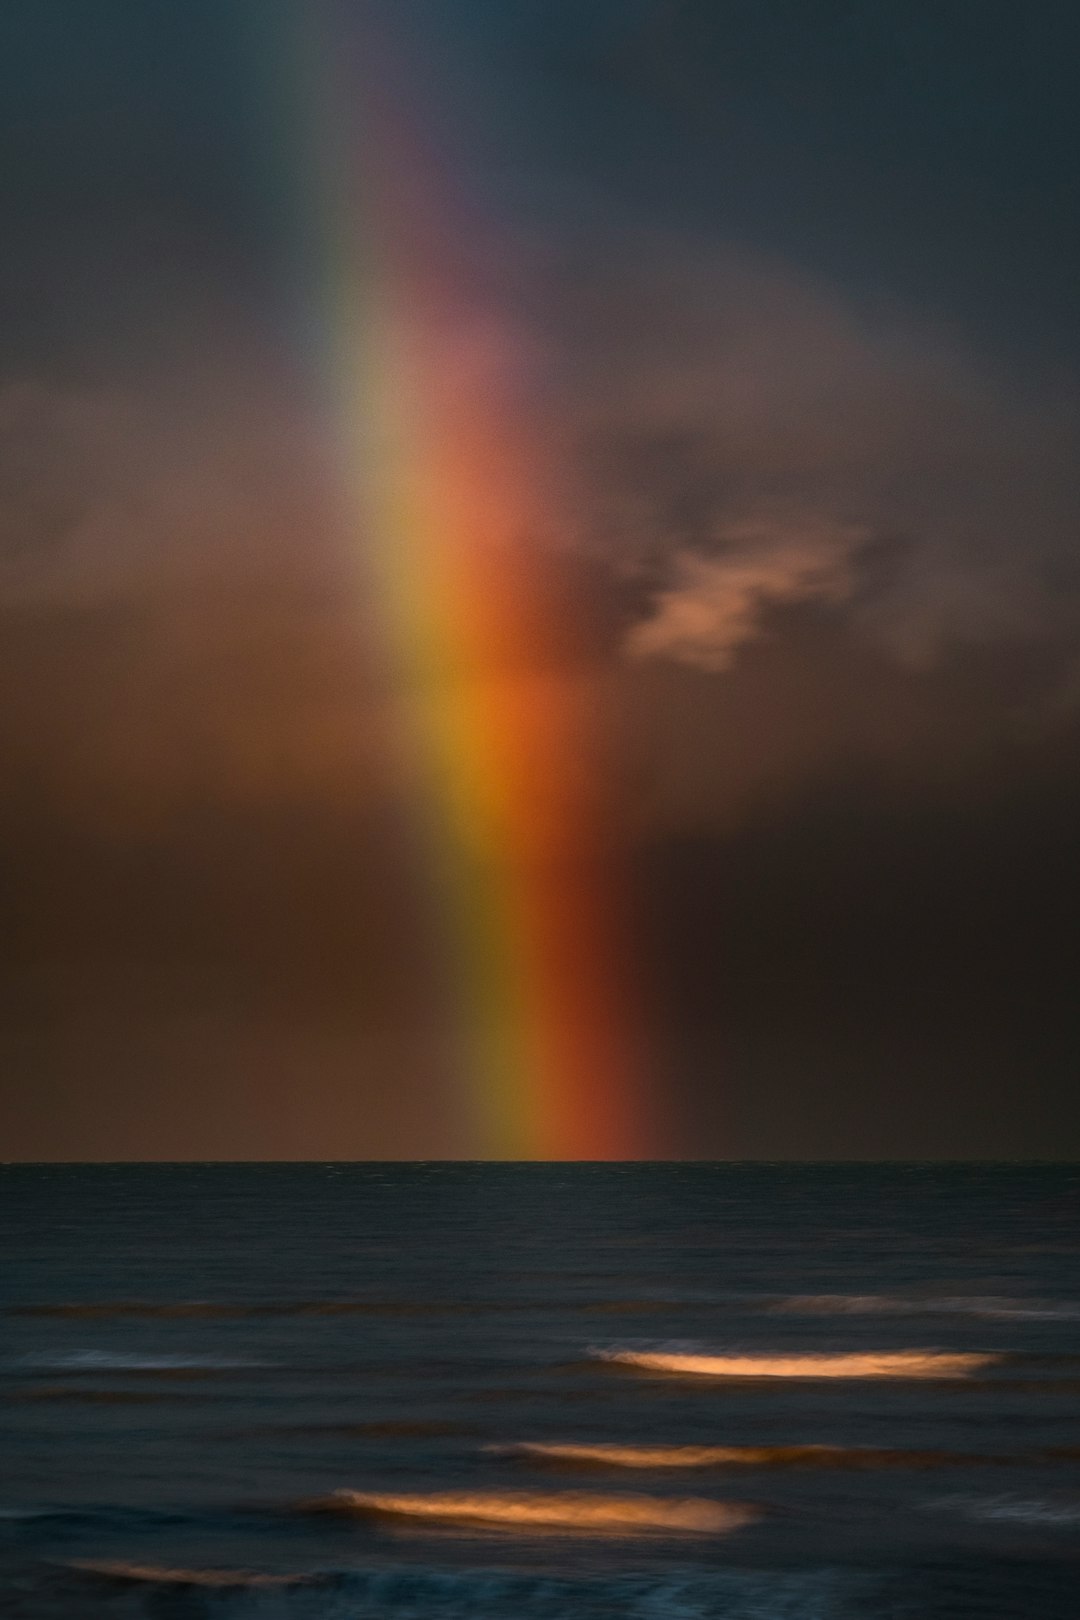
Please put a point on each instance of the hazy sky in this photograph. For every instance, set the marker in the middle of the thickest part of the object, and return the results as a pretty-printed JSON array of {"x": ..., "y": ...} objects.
[{"x": 788, "y": 293}]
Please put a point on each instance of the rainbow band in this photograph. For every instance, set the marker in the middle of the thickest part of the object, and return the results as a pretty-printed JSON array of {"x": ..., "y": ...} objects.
[{"x": 494, "y": 729}]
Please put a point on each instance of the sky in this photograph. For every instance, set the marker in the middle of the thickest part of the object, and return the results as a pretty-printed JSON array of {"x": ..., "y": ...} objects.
[{"x": 784, "y": 301}]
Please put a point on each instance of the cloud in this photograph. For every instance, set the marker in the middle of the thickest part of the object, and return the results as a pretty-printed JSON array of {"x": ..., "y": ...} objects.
[
  {"x": 701, "y": 440},
  {"x": 116, "y": 490},
  {"x": 715, "y": 603},
  {"x": 188, "y": 612},
  {"x": 735, "y": 427},
  {"x": 181, "y": 618}
]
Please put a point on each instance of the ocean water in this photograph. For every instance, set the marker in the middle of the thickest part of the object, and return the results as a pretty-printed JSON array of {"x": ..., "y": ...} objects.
[{"x": 653, "y": 1391}]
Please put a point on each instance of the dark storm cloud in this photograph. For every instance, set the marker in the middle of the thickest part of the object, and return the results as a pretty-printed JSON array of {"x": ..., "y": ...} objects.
[
  {"x": 213, "y": 942},
  {"x": 123, "y": 113},
  {"x": 872, "y": 970},
  {"x": 924, "y": 150},
  {"x": 245, "y": 980}
]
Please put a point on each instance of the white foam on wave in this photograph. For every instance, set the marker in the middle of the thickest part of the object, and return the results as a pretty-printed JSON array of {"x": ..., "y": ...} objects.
[
  {"x": 990, "y": 1307},
  {"x": 124, "y": 1361},
  {"x": 838, "y": 1364},
  {"x": 569, "y": 1511},
  {"x": 1011, "y": 1509}
]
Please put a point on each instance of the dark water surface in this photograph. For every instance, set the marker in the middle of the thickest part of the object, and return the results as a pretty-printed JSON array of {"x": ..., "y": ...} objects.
[{"x": 338, "y": 1392}]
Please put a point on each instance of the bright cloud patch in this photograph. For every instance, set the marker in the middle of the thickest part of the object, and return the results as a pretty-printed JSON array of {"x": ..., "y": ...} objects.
[{"x": 715, "y": 603}]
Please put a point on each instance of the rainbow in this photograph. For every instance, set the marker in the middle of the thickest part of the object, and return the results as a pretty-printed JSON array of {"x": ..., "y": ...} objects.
[{"x": 491, "y": 715}]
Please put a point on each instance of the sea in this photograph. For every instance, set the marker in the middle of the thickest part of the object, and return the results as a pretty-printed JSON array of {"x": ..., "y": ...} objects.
[{"x": 649, "y": 1391}]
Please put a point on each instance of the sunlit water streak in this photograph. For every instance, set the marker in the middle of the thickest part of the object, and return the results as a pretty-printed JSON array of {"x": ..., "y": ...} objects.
[
  {"x": 567, "y": 1511},
  {"x": 875, "y": 1364}
]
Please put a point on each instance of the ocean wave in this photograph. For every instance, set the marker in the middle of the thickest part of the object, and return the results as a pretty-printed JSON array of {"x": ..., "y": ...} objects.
[
  {"x": 832, "y": 1364},
  {"x": 793, "y": 1456},
  {"x": 237, "y": 1309},
  {"x": 576, "y": 1512},
  {"x": 110, "y": 1569},
  {"x": 418, "y": 1593},
  {"x": 377, "y": 1429},
  {"x": 112, "y": 1518},
  {"x": 83, "y": 1396},
  {"x": 984, "y": 1307},
  {"x": 123, "y": 1361},
  {"x": 1012, "y": 1509},
  {"x": 232, "y": 1310},
  {"x": 1011, "y": 1387},
  {"x": 990, "y": 1307}
]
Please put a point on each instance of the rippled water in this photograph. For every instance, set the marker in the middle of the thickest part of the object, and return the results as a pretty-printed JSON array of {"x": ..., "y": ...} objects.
[{"x": 667, "y": 1392}]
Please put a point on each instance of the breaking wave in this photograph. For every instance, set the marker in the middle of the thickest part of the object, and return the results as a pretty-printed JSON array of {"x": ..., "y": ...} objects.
[
  {"x": 838, "y": 1364},
  {"x": 575, "y": 1512}
]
